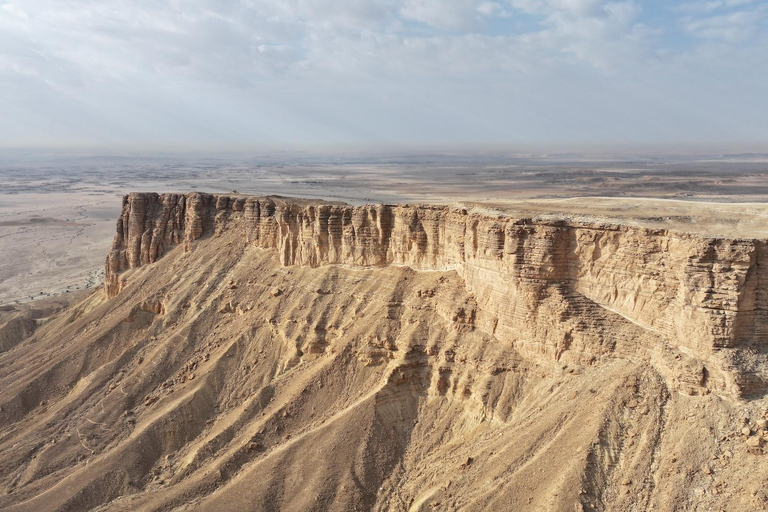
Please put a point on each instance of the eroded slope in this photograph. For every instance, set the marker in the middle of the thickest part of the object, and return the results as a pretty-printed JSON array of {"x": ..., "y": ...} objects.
[
  {"x": 232, "y": 374},
  {"x": 551, "y": 288}
]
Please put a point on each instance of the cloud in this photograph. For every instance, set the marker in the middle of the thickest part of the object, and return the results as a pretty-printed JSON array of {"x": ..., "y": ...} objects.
[
  {"x": 16, "y": 11},
  {"x": 734, "y": 25},
  {"x": 490, "y": 9},
  {"x": 707, "y": 6},
  {"x": 452, "y": 15},
  {"x": 363, "y": 71}
]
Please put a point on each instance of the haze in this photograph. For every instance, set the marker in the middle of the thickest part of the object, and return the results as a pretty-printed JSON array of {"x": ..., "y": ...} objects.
[{"x": 254, "y": 74}]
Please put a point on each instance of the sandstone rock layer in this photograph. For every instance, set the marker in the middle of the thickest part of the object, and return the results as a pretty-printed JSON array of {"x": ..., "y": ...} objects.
[
  {"x": 272, "y": 354},
  {"x": 558, "y": 289}
]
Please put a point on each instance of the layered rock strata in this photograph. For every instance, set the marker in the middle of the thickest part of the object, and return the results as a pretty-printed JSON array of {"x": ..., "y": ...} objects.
[{"x": 560, "y": 289}]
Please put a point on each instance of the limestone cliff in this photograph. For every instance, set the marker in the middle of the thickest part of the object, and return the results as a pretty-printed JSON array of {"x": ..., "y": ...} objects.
[{"x": 566, "y": 290}]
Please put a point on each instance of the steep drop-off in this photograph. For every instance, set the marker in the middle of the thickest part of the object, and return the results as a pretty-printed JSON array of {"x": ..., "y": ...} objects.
[
  {"x": 272, "y": 354},
  {"x": 558, "y": 289}
]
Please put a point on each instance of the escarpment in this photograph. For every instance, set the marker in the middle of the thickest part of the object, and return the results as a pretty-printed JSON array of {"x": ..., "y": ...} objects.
[
  {"x": 569, "y": 291},
  {"x": 254, "y": 353}
]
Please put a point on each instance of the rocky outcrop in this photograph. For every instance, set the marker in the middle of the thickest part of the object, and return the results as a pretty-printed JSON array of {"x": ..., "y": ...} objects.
[
  {"x": 15, "y": 330},
  {"x": 559, "y": 289}
]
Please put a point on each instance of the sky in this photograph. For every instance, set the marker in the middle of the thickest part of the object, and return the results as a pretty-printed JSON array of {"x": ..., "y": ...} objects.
[{"x": 224, "y": 74}]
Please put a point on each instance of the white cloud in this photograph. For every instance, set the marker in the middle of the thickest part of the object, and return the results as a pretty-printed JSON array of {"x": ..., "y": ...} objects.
[
  {"x": 547, "y": 7},
  {"x": 489, "y": 8},
  {"x": 16, "y": 11},
  {"x": 603, "y": 34},
  {"x": 707, "y": 6},
  {"x": 445, "y": 14},
  {"x": 735, "y": 26},
  {"x": 367, "y": 70}
]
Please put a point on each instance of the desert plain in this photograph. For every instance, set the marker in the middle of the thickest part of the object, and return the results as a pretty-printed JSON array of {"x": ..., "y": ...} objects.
[{"x": 57, "y": 212}]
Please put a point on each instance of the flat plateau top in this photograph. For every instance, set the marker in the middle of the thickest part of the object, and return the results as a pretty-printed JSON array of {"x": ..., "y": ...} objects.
[
  {"x": 703, "y": 218},
  {"x": 729, "y": 220}
]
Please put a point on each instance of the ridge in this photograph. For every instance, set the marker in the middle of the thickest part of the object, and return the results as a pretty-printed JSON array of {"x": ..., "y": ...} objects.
[{"x": 560, "y": 289}]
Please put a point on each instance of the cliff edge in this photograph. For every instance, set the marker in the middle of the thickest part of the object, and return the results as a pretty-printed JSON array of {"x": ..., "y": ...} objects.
[
  {"x": 560, "y": 289},
  {"x": 252, "y": 352}
]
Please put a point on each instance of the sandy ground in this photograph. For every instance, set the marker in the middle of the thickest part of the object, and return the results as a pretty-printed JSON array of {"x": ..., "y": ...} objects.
[
  {"x": 49, "y": 243},
  {"x": 57, "y": 215}
]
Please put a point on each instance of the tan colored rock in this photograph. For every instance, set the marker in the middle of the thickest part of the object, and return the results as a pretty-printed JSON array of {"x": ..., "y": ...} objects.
[
  {"x": 391, "y": 388},
  {"x": 557, "y": 289}
]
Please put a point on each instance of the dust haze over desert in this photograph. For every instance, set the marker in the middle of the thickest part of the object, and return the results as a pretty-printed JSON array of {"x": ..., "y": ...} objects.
[{"x": 391, "y": 255}]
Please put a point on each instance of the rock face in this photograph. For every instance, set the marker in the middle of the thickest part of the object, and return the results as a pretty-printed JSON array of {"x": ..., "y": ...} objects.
[
  {"x": 303, "y": 356},
  {"x": 565, "y": 290}
]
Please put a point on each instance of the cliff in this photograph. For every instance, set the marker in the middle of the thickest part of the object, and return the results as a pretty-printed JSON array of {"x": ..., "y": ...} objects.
[
  {"x": 564, "y": 290},
  {"x": 315, "y": 356}
]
